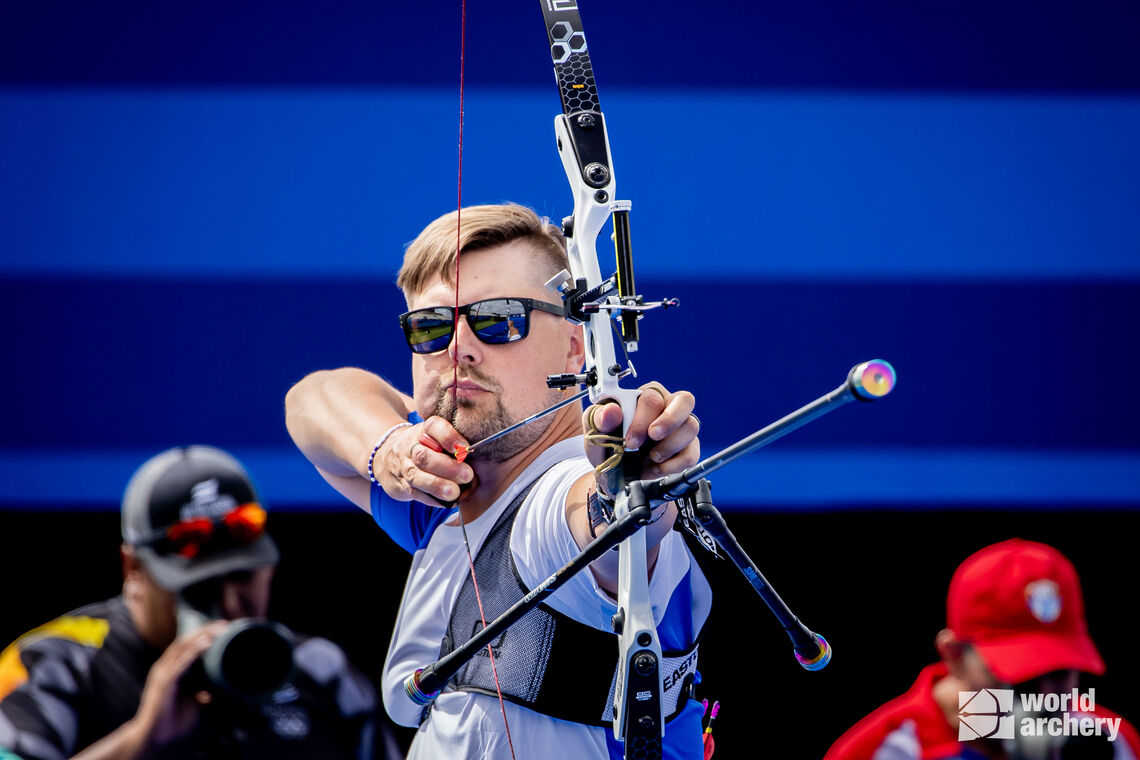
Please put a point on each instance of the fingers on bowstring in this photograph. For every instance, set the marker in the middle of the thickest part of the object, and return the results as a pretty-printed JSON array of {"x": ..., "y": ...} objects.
[
  {"x": 443, "y": 434},
  {"x": 432, "y": 470}
]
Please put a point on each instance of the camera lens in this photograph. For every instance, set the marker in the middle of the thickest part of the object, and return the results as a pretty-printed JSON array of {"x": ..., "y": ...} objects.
[{"x": 251, "y": 658}]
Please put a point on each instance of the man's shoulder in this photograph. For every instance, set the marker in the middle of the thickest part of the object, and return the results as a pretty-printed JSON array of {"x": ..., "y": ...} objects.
[
  {"x": 52, "y": 669},
  {"x": 911, "y": 724},
  {"x": 1125, "y": 728},
  {"x": 74, "y": 637},
  {"x": 552, "y": 474},
  {"x": 87, "y": 625}
]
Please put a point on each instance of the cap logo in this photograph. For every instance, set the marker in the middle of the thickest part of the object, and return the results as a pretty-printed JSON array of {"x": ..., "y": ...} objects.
[
  {"x": 205, "y": 501},
  {"x": 1043, "y": 598}
]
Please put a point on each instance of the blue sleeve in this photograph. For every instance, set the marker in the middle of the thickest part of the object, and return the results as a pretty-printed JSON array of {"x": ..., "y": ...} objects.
[
  {"x": 684, "y": 735},
  {"x": 408, "y": 523}
]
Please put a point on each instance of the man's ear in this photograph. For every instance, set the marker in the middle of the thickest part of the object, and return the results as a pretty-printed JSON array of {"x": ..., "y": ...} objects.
[
  {"x": 132, "y": 565},
  {"x": 576, "y": 356},
  {"x": 950, "y": 650}
]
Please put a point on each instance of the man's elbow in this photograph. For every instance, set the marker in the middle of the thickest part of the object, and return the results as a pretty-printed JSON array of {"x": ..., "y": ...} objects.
[
  {"x": 300, "y": 411},
  {"x": 299, "y": 399}
]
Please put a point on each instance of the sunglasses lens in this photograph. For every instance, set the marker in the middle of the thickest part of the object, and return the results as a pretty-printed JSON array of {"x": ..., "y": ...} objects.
[
  {"x": 494, "y": 321},
  {"x": 499, "y": 320},
  {"x": 188, "y": 538},
  {"x": 429, "y": 330},
  {"x": 246, "y": 523}
]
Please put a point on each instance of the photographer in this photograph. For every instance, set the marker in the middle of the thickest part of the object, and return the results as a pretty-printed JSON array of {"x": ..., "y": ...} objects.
[{"x": 159, "y": 671}]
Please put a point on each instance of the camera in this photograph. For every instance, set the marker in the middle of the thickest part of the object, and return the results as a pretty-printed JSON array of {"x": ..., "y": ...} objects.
[{"x": 250, "y": 659}]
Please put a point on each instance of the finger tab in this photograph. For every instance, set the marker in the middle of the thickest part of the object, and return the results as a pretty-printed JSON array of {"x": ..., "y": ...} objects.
[{"x": 430, "y": 442}]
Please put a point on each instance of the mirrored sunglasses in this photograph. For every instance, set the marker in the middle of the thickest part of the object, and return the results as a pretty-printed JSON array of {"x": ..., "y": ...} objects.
[{"x": 494, "y": 321}]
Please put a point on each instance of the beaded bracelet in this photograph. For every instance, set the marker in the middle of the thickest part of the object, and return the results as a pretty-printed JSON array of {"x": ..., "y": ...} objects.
[{"x": 379, "y": 443}]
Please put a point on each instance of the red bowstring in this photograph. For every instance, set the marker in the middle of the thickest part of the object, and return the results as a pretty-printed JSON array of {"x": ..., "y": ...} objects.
[
  {"x": 490, "y": 652},
  {"x": 455, "y": 368}
]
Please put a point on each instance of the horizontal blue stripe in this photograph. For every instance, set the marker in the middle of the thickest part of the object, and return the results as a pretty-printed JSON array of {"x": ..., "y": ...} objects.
[
  {"x": 889, "y": 43},
  {"x": 823, "y": 478},
  {"x": 140, "y": 364},
  {"x": 732, "y": 183}
]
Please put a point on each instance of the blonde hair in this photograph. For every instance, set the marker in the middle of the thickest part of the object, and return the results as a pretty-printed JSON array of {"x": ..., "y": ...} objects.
[{"x": 432, "y": 254}]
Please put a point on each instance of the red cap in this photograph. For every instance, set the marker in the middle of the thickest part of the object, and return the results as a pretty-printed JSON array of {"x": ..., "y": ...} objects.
[{"x": 1019, "y": 604}]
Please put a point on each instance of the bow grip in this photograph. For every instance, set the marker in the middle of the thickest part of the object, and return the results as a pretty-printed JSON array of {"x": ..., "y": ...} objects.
[{"x": 616, "y": 478}]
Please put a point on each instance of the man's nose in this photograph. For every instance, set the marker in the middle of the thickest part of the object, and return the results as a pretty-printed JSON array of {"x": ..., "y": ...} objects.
[{"x": 465, "y": 346}]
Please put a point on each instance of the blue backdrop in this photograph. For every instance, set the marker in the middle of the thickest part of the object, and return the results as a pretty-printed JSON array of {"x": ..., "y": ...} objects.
[{"x": 200, "y": 204}]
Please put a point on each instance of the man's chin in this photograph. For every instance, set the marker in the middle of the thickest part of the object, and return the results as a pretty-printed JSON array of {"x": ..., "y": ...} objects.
[{"x": 472, "y": 426}]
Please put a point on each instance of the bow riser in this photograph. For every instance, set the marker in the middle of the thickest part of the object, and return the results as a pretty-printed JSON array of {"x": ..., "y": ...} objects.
[
  {"x": 637, "y": 699},
  {"x": 638, "y": 716},
  {"x": 590, "y": 217},
  {"x": 583, "y": 146}
]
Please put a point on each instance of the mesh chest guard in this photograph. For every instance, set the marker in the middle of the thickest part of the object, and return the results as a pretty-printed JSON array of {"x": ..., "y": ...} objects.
[{"x": 547, "y": 661}]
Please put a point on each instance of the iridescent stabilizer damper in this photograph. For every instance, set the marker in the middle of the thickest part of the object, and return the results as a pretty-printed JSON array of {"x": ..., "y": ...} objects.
[{"x": 872, "y": 380}]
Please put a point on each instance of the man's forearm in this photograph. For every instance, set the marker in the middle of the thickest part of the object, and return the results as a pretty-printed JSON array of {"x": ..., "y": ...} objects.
[
  {"x": 605, "y": 568},
  {"x": 127, "y": 742},
  {"x": 335, "y": 416}
]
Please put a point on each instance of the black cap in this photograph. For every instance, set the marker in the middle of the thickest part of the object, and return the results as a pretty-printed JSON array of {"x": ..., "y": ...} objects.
[{"x": 183, "y": 484}]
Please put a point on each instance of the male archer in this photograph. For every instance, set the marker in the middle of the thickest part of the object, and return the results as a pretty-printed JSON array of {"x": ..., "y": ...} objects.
[{"x": 524, "y": 500}]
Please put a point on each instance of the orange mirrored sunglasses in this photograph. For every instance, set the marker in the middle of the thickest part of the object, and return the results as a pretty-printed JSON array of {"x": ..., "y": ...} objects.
[{"x": 189, "y": 538}]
